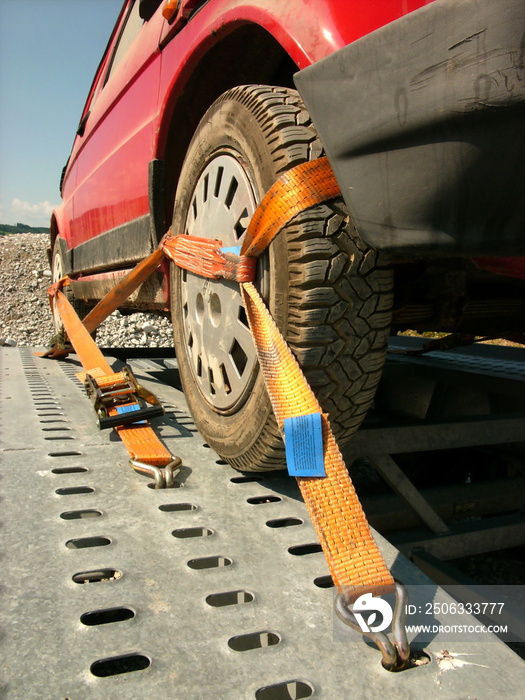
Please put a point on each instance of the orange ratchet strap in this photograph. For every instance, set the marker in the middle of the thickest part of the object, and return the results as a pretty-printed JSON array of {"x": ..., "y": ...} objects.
[
  {"x": 206, "y": 258},
  {"x": 140, "y": 441},
  {"x": 337, "y": 515},
  {"x": 354, "y": 560},
  {"x": 298, "y": 189}
]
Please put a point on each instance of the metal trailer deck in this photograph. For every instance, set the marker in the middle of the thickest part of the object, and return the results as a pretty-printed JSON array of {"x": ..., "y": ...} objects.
[{"x": 214, "y": 589}]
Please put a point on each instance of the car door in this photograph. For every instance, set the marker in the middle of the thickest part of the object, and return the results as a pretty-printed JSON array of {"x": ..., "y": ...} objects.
[{"x": 110, "y": 219}]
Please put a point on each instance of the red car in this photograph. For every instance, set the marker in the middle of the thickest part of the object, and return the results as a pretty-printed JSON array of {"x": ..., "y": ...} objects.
[{"x": 196, "y": 109}]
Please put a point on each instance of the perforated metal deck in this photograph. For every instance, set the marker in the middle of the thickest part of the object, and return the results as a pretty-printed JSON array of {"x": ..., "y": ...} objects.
[{"x": 216, "y": 589}]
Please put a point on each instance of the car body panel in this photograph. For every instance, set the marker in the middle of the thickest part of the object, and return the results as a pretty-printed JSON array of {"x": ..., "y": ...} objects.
[
  {"x": 115, "y": 204},
  {"x": 307, "y": 30},
  {"x": 117, "y": 144},
  {"x": 125, "y": 122},
  {"x": 434, "y": 158}
]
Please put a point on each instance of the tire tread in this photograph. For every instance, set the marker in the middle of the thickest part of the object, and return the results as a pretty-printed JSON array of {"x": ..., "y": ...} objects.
[{"x": 340, "y": 290}]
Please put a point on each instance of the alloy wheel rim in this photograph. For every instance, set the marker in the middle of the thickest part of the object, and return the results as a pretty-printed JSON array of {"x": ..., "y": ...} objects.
[{"x": 217, "y": 339}]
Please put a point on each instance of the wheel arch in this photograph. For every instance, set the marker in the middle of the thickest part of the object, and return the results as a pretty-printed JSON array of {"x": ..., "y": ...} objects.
[{"x": 252, "y": 56}]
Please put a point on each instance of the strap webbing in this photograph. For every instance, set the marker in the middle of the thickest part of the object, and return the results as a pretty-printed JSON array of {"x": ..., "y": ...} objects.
[
  {"x": 140, "y": 441},
  {"x": 298, "y": 189},
  {"x": 340, "y": 522},
  {"x": 118, "y": 295},
  {"x": 337, "y": 515},
  {"x": 205, "y": 257},
  {"x": 352, "y": 555}
]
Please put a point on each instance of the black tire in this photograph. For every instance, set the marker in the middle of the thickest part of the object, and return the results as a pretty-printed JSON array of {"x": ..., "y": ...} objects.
[
  {"x": 329, "y": 293},
  {"x": 57, "y": 272}
]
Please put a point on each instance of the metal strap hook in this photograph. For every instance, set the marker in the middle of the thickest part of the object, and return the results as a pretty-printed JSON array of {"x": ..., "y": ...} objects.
[
  {"x": 164, "y": 476},
  {"x": 395, "y": 653}
]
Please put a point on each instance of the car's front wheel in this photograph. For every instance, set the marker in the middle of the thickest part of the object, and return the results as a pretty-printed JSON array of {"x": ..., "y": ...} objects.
[{"x": 328, "y": 292}]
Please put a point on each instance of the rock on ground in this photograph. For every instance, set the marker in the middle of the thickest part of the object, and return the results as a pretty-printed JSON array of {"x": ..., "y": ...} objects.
[{"x": 25, "y": 316}]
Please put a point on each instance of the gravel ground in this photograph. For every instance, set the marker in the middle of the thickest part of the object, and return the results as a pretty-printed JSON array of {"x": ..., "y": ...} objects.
[{"x": 25, "y": 316}]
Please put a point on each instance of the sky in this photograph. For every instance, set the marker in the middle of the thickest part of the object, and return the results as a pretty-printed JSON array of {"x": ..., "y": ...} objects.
[{"x": 49, "y": 52}]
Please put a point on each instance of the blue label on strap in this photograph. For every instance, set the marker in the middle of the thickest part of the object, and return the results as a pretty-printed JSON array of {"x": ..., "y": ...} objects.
[
  {"x": 130, "y": 409},
  {"x": 303, "y": 440}
]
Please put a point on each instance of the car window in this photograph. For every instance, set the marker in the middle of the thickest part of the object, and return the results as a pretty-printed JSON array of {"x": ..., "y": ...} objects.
[{"x": 129, "y": 31}]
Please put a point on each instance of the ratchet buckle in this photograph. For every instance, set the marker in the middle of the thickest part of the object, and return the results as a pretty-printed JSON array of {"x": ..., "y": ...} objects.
[{"x": 120, "y": 400}]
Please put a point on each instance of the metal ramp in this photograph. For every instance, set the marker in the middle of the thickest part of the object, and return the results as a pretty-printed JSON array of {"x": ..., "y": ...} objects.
[{"x": 215, "y": 589}]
